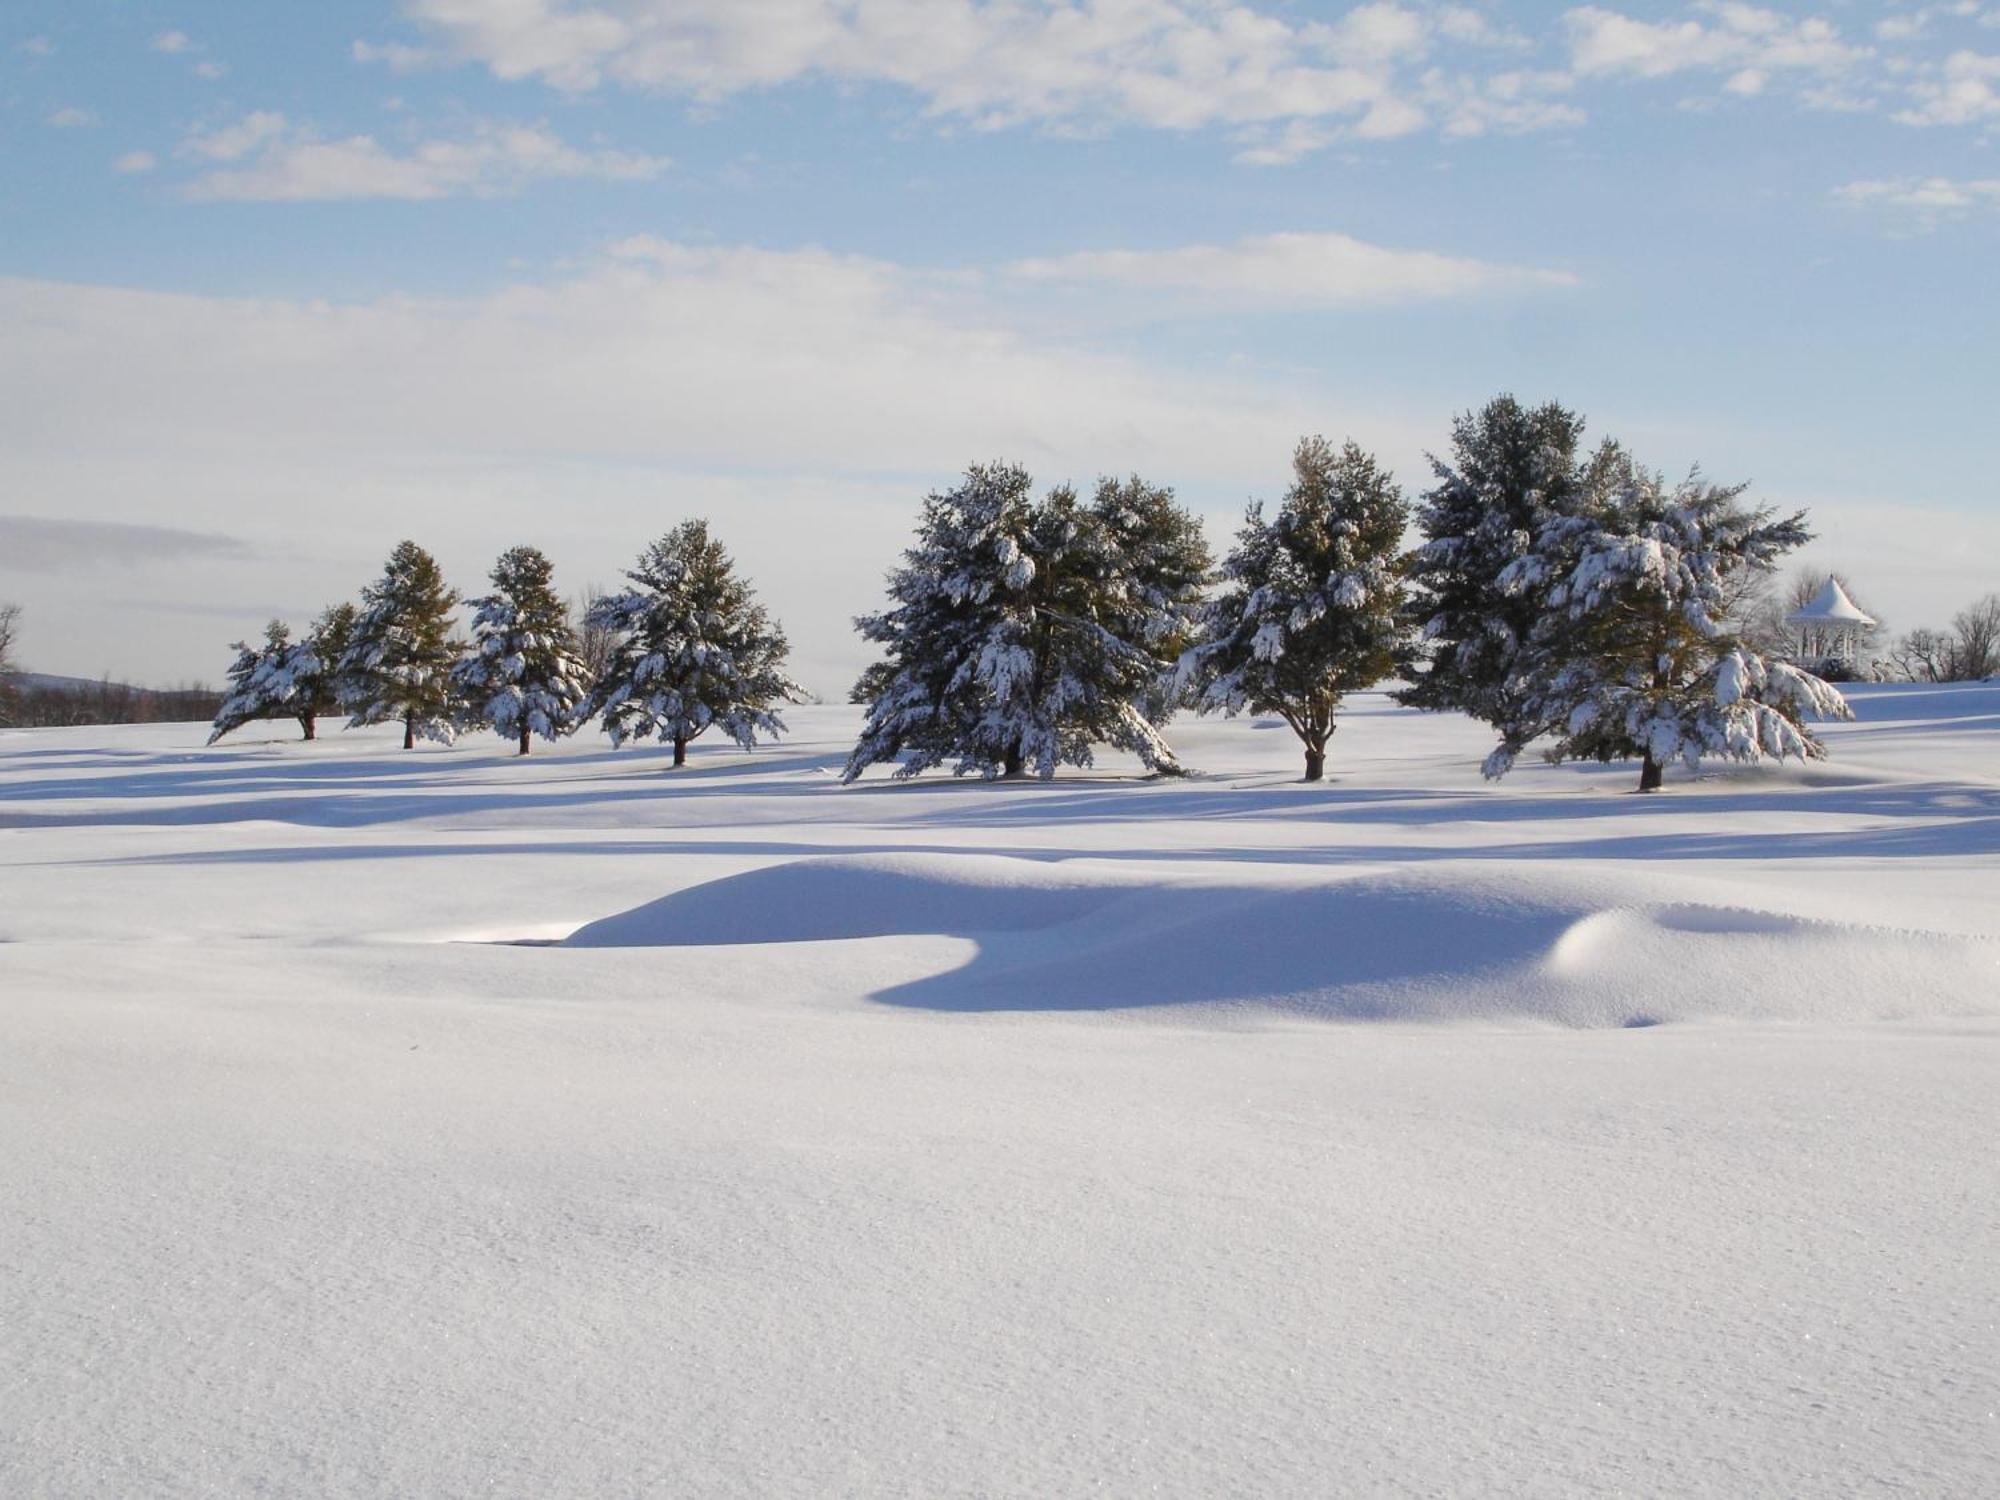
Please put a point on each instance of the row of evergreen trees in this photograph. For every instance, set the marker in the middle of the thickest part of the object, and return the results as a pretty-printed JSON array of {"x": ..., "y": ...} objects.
[
  {"x": 1556, "y": 594},
  {"x": 692, "y": 650}
]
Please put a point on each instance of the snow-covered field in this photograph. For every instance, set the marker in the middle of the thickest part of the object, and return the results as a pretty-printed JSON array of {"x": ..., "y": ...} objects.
[{"x": 443, "y": 1124}]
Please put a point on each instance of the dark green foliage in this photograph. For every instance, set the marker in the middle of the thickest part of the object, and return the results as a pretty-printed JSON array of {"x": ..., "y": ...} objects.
[
  {"x": 399, "y": 656},
  {"x": 1313, "y": 601}
]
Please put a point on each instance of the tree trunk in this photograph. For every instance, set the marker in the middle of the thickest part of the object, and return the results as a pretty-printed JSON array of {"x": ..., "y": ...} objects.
[
  {"x": 680, "y": 750},
  {"x": 1651, "y": 774},
  {"x": 409, "y": 731},
  {"x": 1013, "y": 763},
  {"x": 1315, "y": 764},
  {"x": 524, "y": 736},
  {"x": 310, "y": 724}
]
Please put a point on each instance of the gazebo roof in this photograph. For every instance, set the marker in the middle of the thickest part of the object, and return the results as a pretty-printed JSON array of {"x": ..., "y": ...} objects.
[{"x": 1830, "y": 606}]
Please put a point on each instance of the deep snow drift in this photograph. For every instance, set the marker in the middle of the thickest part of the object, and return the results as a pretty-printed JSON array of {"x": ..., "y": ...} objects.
[{"x": 449, "y": 1124}]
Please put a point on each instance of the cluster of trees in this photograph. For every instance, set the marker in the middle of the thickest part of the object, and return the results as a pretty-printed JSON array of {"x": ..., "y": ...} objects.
[
  {"x": 684, "y": 650},
  {"x": 1557, "y": 594},
  {"x": 1968, "y": 651}
]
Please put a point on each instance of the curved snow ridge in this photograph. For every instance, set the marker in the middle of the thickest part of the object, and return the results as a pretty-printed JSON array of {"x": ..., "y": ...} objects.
[{"x": 1444, "y": 943}]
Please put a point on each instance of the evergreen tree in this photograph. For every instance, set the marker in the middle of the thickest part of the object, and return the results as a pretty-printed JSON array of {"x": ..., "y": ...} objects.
[
  {"x": 1313, "y": 603},
  {"x": 1635, "y": 657},
  {"x": 1513, "y": 471},
  {"x": 315, "y": 667},
  {"x": 693, "y": 650},
  {"x": 399, "y": 656},
  {"x": 1021, "y": 633},
  {"x": 260, "y": 683},
  {"x": 522, "y": 676}
]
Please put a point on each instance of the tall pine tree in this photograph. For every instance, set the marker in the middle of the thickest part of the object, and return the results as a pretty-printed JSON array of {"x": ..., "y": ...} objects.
[
  {"x": 1513, "y": 470},
  {"x": 1313, "y": 601},
  {"x": 522, "y": 676},
  {"x": 694, "y": 650},
  {"x": 399, "y": 657},
  {"x": 1021, "y": 633}
]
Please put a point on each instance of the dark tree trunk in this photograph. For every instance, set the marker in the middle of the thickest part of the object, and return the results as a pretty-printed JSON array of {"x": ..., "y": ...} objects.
[
  {"x": 1315, "y": 764},
  {"x": 409, "y": 731},
  {"x": 680, "y": 750},
  {"x": 1651, "y": 774},
  {"x": 1012, "y": 764},
  {"x": 309, "y": 723},
  {"x": 524, "y": 736}
]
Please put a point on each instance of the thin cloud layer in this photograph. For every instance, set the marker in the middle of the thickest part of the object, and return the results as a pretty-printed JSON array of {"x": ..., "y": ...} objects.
[
  {"x": 281, "y": 162},
  {"x": 43, "y": 544},
  {"x": 1292, "y": 270}
]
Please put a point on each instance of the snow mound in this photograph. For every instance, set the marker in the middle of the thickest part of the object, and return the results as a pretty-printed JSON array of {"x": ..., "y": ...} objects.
[{"x": 1497, "y": 942}]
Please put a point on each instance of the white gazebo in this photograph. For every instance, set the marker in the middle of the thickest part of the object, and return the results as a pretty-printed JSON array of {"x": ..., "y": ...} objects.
[{"x": 1829, "y": 629}]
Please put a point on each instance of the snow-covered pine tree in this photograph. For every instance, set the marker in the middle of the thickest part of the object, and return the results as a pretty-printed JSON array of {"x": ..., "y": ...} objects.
[
  {"x": 1021, "y": 634},
  {"x": 694, "y": 650},
  {"x": 315, "y": 667},
  {"x": 522, "y": 676},
  {"x": 1635, "y": 658},
  {"x": 1313, "y": 604},
  {"x": 399, "y": 657},
  {"x": 1513, "y": 470},
  {"x": 260, "y": 687}
]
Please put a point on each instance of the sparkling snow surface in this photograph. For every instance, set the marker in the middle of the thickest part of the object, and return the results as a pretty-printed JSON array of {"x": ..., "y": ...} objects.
[{"x": 1403, "y": 1134}]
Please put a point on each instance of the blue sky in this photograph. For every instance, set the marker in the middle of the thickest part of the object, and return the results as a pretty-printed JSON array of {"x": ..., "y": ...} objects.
[{"x": 285, "y": 283}]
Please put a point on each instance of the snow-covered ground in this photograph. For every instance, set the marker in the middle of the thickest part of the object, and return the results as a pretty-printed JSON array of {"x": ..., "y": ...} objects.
[{"x": 444, "y": 1124}]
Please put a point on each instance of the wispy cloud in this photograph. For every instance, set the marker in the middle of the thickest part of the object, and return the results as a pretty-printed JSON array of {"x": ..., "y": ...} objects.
[
  {"x": 281, "y": 162},
  {"x": 136, "y": 161},
  {"x": 1292, "y": 271},
  {"x": 72, "y": 118},
  {"x": 1923, "y": 203},
  {"x": 35, "y": 544},
  {"x": 172, "y": 42}
]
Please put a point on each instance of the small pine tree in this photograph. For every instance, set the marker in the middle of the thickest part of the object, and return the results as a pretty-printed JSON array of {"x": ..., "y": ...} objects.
[
  {"x": 1022, "y": 634},
  {"x": 1313, "y": 600},
  {"x": 399, "y": 656},
  {"x": 1514, "y": 470},
  {"x": 1636, "y": 658},
  {"x": 694, "y": 650},
  {"x": 260, "y": 687},
  {"x": 522, "y": 676}
]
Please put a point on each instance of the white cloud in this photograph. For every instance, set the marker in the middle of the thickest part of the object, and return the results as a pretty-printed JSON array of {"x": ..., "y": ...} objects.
[
  {"x": 210, "y": 70},
  {"x": 1291, "y": 270},
  {"x": 35, "y": 46},
  {"x": 172, "y": 42},
  {"x": 1964, "y": 90},
  {"x": 285, "y": 163},
  {"x": 1923, "y": 202},
  {"x": 396, "y": 56},
  {"x": 1732, "y": 37},
  {"x": 72, "y": 118},
  {"x": 136, "y": 161},
  {"x": 1284, "y": 86},
  {"x": 234, "y": 141}
]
